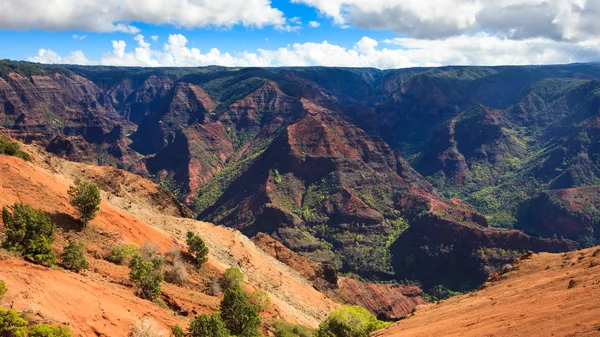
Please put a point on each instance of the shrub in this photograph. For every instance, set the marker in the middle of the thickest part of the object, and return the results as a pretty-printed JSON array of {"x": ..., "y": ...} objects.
[
  {"x": 284, "y": 329},
  {"x": 121, "y": 252},
  {"x": 12, "y": 149},
  {"x": 240, "y": 317},
  {"x": 260, "y": 300},
  {"x": 177, "y": 331},
  {"x": 208, "y": 326},
  {"x": 197, "y": 248},
  {"x": 350, "y": 321},
  {"x": 173, "y": 254},
  {"x": 145, "y": 328},
  {"x": 232, "y": 276},
  {"x": 30, "y": 232},
  {"x": 73, "y": 256},
  {"x": 3, "y": 289},
  {"x": 11, "y": 324},
  {"x": 147, "y": 273},
  {"x": 43, "y": 330},
  {"x": 176, "y": 273},
  {"x": 86, "y": 198}
]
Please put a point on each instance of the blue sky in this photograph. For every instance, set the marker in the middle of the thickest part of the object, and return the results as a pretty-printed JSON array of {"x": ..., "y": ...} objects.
[{"x": 378, "y": 33}]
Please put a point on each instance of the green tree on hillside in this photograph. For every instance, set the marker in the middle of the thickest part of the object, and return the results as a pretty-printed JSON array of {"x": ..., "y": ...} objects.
[
  {"x": 30, "y": 232},
  {"x": 350, "y": 321},
  {"x": 86, "y": 198},
  {"x": 11, "y": 324},
  {"x": 197, "y": 247},
  {"x": 208, "y": 326},
  {"x": 241, "y": 318},
  {"x": 3, "y": 289},
  {"x": 146, "y": 271},
  {"x": 232, "y": 276},
  {"x": 44, "y": 330},
  {"x": 73, "y": 256}
]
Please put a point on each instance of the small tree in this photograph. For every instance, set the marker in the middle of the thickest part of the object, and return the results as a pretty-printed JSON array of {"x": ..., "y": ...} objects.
[
  {"x": 241, "y": 318},
  {"x": 232, "y": 276},
  {"x": 3, "y": 289},
  {"x": 43, "y": 330},
  {"x": 177, "y": 331},
  {"x": 73, "y": 256},
  {"x": 208, "y": 326},
  {"x": 350, "y": 321},
  {"x": 11, "y": 324},
  {"x": 86, "y": 198},
  {"x": 30, "y": 232},
  {"x": 197, "y": 247},
  {"x": 120, "y": 253},
  {"x": 147, "y": 273},
  {"x": 260, "y": 300}
]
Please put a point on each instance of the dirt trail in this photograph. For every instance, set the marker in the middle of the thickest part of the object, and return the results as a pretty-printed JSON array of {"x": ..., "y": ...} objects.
[{"x": 534, "y": 299}]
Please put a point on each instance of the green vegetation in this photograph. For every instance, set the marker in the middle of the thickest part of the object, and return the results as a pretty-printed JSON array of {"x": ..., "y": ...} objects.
[
  {"x": 3, "y": 289},
  {"x": 120, "y": 253},
  {"x": 11, "y": 324},
  {"x": 284, "y": 329},
  {"x": 350, "y": 321},
  {"x": 85, "y": 197},
  {"x": 9, "y": 148},
  {"x": 29, "y": 232},
  {"x": 197, "y": 247},
  {"x": 208, "y": 326},
  {"x": 241, "y": 318},
  {"x": 146, "y": 272},
  {"x": 171, "y": 185},
  {"x": 43, "y": 330},
  {"x": 73, "y": 256},
  {"x": 177, "y": 331},
  {"x": 232, "y": 277},
  {"x": 260, "y": 299}
]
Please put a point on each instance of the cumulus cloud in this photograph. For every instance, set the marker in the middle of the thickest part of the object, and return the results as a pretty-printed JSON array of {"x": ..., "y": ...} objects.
[
  {"x": 476, "y": 49},
  {"x": 79, "y": 37},
  {"x": 518, "y": 19},
  {"x": 314, "y": 24},
  {"x": 117, "y": 15}
]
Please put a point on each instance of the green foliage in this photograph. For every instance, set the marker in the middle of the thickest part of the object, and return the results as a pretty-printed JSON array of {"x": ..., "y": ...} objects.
[
  {"x": 241, "y": 318},
  {"x": 86, "y": 199},
  {"x": 146, "y": 272},
  {"x": 12, "y": 149},
  {"x": 350, "y": 321},
  {"x": 43, "y": 330},
  {"x": 208, "y": 326},
  {"x": 121, "y": 252},
  {"x": 232, "y": 277},
  {"x": 3, "y": 289},
  {"x": 30, "y": 232},
  {"x": 11, "y": 324},
  {"x": 171, "y": 185},
  {"x": 197, "y": 247},
  {"x": 260, "y": 299},
  {"x": 177, "y": 331},
  {"x": 284, "y": 329},
  {"x": 73, "y": 256}
]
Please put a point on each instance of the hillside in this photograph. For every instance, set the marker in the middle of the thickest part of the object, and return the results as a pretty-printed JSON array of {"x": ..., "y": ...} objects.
[
  {"x": 380, "y": 172},
  {"x": 541, "y": 295}
]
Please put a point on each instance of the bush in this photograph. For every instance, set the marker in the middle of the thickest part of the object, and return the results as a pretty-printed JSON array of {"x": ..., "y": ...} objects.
[
  {"x": 173, "y": 254},
  {"x": 197, "y": 248},
  {"x": 232, "y": 276},
  {"x": 30, "y": 232},
  {"x": 176, "y": 274},
  {"x": 86, "y": 198},
  {"x": 11, "y": 324},
  {"x": 43, "y": 330},
  {"x": 145, "y": 328},
  {"x": 3, "y": 289},
  {"x": 240, "y": 317},
  {"x": 12, "y": 149},
  {"x": 350, "y": 321},
  {"x": 260, "y": 300},
  {"x": 73, "y": 256},
  {"x": 147, "y": 273},
  {"x": 284, "y": 329},
  {"x": 121, "y": 252},
  {"x": 208, "y": 326},
  {"x": 177, "y": 331}
]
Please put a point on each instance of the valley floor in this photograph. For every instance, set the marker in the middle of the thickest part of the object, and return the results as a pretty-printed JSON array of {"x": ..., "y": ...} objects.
[{"x": 544, "y": 295}]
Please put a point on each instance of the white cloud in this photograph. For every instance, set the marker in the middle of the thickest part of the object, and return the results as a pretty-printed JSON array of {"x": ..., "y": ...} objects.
[
  {"x": 519, "y": 19},
  {"x": 314, "y": 24},
  {"x": 477, "y": 49},
  {"x": 79, "y": 37},
  {"x": 154, "y": 37},
  {"x": 295, "y": 20},
  {"x": 116, "y": 15}
]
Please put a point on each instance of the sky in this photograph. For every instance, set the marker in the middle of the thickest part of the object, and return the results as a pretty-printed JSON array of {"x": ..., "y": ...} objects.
[{"x": 357, "y": 33}]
